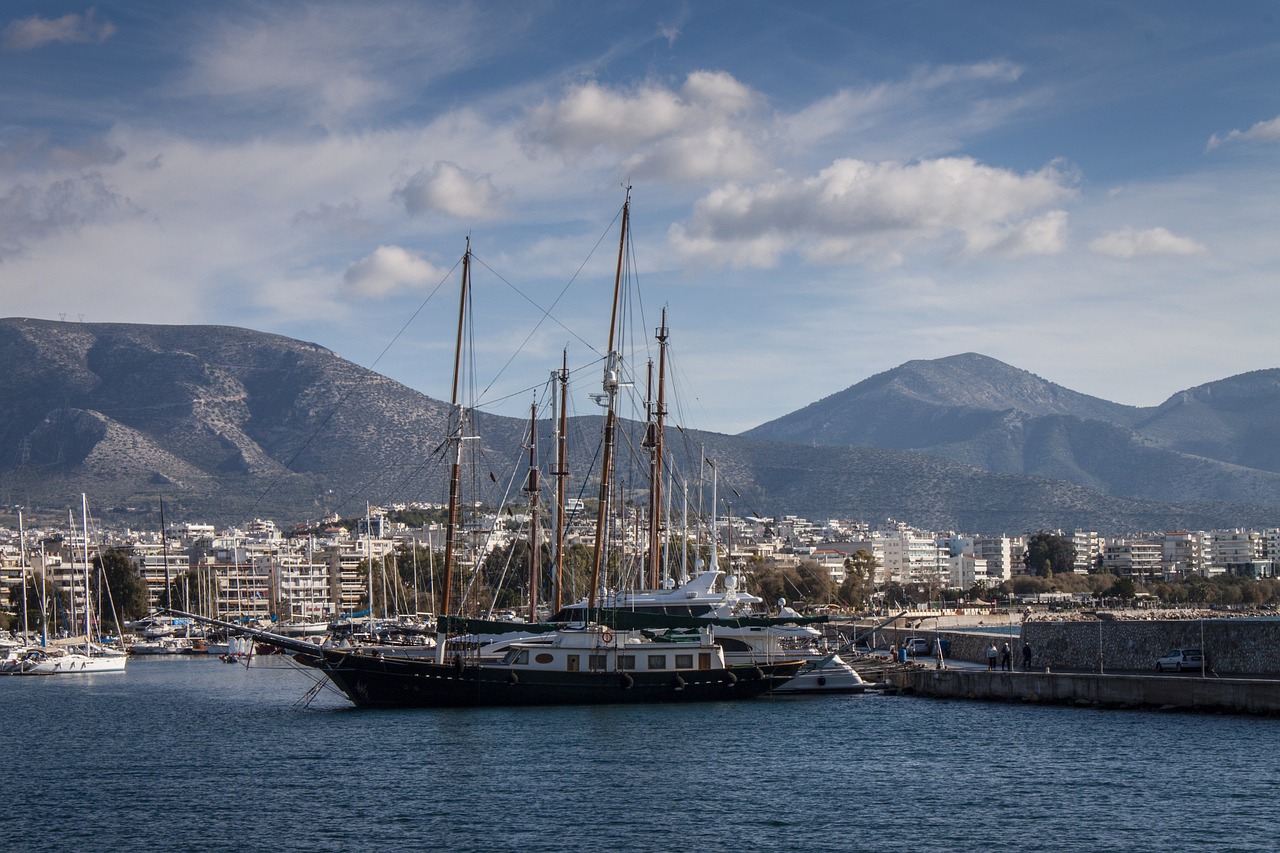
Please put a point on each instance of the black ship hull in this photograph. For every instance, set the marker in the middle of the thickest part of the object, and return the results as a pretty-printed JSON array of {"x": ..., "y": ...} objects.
[{"x": 373, "y": 682}]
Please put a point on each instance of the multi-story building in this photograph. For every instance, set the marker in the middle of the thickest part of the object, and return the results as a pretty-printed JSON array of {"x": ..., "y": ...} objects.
[
  {"x": 1137, "y": 557},
  {"x": 1239, "y": 552},
  {"x": 158, "y": 561},
  {"x": 995, "y": 553},
  {"x": 1088, "y": 545},
  {"x": 1182, "y": 554},
  {"x": 913, "y": 557}
]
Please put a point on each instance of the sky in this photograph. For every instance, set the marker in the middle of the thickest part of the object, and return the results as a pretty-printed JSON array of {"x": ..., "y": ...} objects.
[{"x": 819, "y": 191}]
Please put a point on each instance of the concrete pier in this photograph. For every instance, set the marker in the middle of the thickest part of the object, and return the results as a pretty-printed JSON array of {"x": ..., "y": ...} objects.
[{"x": 1222, "y": 695}]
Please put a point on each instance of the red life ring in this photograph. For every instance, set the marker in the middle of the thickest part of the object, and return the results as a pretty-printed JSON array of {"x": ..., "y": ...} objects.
[{"x": 606, "y": 638}]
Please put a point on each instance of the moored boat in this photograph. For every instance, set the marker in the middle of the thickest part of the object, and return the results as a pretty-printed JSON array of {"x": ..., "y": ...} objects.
[{"x": 85, "y": 659}]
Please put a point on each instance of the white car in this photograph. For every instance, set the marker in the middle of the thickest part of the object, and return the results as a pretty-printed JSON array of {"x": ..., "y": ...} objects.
[{"x": 1180, "y": 659}]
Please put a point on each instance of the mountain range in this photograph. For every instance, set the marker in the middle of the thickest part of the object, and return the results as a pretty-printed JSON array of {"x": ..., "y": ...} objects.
[
  {"x": 226, "y": 424},
  {"x": 1215, "y": 442}
]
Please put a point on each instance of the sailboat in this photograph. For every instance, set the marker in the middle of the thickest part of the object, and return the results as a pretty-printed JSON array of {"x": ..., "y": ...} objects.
[
  {"x": 590, "y": 663},
  {"x": 89, "y": 656}
]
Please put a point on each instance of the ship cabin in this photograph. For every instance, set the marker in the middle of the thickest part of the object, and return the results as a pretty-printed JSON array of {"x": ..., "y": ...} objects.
[{"x": 604, "y": 651}]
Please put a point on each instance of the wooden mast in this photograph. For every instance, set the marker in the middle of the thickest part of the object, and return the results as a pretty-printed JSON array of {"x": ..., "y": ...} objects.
[
  {"x": 611, "y": 382},
  {"x": 164, "y": 549},
  {"x": 531, "y": 486},
  {"x": 655, "y": 462},
  {"x": 455, "y": 435},
  {"x": 562, "y": 474}
]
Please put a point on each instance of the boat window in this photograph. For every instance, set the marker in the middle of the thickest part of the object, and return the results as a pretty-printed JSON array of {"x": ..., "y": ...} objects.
[
  {"x": 684, "y": 661},
  {"x": 571, "y": 663},
  {"x": 657, "y": 661},
  {"x": 704, "y": 660},
  {"x": 626, "y": 661},
  {"x": 543, "y": 657},
  {"x": 595, "y": 662}
]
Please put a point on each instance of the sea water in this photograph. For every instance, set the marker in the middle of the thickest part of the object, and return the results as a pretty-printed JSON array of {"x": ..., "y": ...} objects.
[{"x": 194, "y": 754}]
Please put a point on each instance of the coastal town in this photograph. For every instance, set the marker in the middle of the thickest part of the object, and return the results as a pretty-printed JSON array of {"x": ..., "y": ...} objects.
[{"x": 317, "y": 572}]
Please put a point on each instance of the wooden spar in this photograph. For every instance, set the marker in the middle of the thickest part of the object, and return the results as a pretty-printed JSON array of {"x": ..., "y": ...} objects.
[
  {"x": 532, "y": 488},
  {"x": 655, "y": 463},
  {"x": 164, "y": 549},
  {"x": 455, "y": 475},
  {"x": 611, "y": 381},
  {"x": 562, "y": 474},
  {"x": 22, "y": 563},
  {"x": 84, "y": 516}
]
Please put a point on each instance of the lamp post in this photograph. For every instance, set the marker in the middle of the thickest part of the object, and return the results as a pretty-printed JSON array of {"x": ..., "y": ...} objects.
[{"x": 1101, "y": 669}]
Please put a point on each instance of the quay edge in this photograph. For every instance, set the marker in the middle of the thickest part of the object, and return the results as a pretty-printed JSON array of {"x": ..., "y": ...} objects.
[{"x": 1214, "y": 695}]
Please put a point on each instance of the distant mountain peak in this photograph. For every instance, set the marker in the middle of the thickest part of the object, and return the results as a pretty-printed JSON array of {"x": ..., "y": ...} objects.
[{"x": 967, "y": 383}]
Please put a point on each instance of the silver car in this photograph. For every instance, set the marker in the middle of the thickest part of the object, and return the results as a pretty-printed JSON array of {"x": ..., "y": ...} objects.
[{"x": 1180, "y": 659}]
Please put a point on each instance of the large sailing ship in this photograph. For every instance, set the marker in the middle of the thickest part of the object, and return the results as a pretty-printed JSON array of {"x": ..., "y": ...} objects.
[{"x": 592, "y": 661}]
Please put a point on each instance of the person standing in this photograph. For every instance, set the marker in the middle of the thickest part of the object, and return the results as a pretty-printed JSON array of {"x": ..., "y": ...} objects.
[
  {"x": 991, "y": 657},
  {"x": 1026, "y": 656},
  {"x": 1006, "y": 658}
]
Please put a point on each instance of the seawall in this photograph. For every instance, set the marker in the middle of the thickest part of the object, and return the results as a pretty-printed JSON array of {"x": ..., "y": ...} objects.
[
  {"x": 1233, "y": 646},
  {"x": 1223, "y": 695}
]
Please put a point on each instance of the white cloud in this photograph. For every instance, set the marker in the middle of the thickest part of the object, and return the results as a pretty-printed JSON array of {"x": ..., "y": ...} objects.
[
  {"x": 449, "y": 188},
  {"x": 697, "y": 132},
  {"x": 30, "y": 213},
  {"x": 390, "y": 269},
  {"x": 896, "y": 107},
  {"x": 33, "y": 32},
  {"x": 1129, "y": 243},
  {"x": 35, "y": 152},
  {"x": 1040, "y": 235},
  {"x": 1263, "y": 131},
  {"x": 855, "y": 210},
  {"x": 332, "y": 62}
]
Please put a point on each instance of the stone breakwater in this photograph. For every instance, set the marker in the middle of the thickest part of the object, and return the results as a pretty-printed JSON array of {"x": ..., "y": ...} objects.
[{"x": 1233, "y": 646}]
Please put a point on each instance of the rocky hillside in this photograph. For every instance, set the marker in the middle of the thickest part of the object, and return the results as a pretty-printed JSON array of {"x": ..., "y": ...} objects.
[{"x": 227, "y": 424}]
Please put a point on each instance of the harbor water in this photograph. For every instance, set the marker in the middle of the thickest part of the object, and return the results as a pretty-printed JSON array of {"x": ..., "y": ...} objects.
[{"x": 194, "y": 754}]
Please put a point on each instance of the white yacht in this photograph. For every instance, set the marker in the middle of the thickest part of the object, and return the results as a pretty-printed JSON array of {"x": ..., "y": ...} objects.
[{"x": 77, "y": 660}]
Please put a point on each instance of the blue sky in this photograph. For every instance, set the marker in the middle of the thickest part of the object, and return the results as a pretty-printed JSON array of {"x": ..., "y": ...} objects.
[{"x": 821, "y": 192}]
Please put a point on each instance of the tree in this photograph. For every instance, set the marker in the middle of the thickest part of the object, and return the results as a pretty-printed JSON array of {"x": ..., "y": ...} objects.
[
  {"x": 1049, "y": 554},
  {"x": 127, "y": 587},
  {"x": 816, "y": 585},
  {"x": 1122, "y": 589},
  {"x": 858, "y": 587}
]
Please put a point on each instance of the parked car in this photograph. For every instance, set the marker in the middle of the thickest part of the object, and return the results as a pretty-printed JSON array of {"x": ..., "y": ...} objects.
[
  {"x": 925, "y": 646},
  {"x": 1180, "y": 659}
]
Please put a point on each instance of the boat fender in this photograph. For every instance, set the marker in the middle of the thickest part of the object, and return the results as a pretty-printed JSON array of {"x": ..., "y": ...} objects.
[
  {"x": 678, "y": 682},
  {"x": 730, "y": 678},
  {"x": 457, "y": 662},
  {"x": 757, "y": 673},
  {"x": 606, "y": 638},
  {"x": 627, "y": 681},
  {"x": 513, "y": 677}
]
